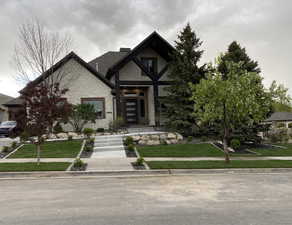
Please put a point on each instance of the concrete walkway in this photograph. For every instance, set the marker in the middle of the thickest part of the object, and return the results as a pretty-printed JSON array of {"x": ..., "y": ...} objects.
[
  {"x": 109, "y": 154},
  {"x": 34, "y": 160},
  {"x": 216, "y": 158}
]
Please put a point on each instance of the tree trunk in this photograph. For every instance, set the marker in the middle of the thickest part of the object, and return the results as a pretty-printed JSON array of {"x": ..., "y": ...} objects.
[
  {"x": 38, "y": 153},
  {"x": 225, "y": 146}
]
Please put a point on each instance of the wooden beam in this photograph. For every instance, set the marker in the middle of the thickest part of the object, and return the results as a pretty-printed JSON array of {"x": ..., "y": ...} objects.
[
  {"x": 118, "y": 94},
  {"x": 142, "y": 82},
  {"x": 143, "y": 68},
  {"x": 164, "y": 69},
  {"x": 156, "y": 102}
]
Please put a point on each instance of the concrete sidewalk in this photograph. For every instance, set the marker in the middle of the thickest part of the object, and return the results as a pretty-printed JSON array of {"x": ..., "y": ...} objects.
[
  {"x": 34, "y": 160},
  {"x": 216, "y": 158}
]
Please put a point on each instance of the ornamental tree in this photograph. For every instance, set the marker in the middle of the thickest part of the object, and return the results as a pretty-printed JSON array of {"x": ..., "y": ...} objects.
[
  {"x": 238, "y": 99},
  {"x": 184, "y": 69},
  {"x": 81, "y": 115},
  {"x": 45, "y": 105}
]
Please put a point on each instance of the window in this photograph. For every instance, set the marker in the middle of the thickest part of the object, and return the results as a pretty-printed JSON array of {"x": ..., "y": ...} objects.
[
  {"x": 99, "y": 106},
  {"x": 150, "y": 64}
]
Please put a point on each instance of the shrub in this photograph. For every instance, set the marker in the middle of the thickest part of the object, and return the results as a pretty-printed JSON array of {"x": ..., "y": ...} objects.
[
  {"x": 58, "y": 128},
  {"x": 24, "y": 136},
  {"x": 283, "y": 135},
  {"x": 13, "y": 144},
  {"x": 204, "y": 138},
  {"x": 70, "y": 137},
  {"x": 6, "y": 149},
  {"x": 280, "y": 125},
  {"x": 140, "y": 161},
  {"x": 88, "y": 132},
  {"x": 78, "y": 163},
  {"x": 274, "y": 138},
  {"x": 116, "y": 124},
  {"x": 235, "y": 144},
  {"x": 129, "y": 140},
  {"x": 100, "y": 130},
  {"x": 189, "y": 138},
  {"x": 131, "y": 147},
  {"x": 290, "y": 125},
  {"x": 91, "y": 141},
  {"x": 88, "y": 148}
]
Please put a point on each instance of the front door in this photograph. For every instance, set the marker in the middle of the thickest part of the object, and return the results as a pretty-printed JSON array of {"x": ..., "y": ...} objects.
[{"x": 131, "y": 110}]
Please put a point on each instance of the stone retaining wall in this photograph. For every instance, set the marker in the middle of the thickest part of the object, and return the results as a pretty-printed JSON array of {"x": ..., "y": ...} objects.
[{"x": 157, "y": 139}]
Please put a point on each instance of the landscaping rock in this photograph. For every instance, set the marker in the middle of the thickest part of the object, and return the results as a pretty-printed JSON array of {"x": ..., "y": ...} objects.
[
  {"x": 136, "y": 138},
  {"x": 154, "y": 137},
  {"x": 163, "y": 136},
  {"x": 179, "y": 137},
  {"x": 51, "y": 136},
  {"x": 73, "y": 134},
  {"x": 142, "y": 142},
  {"x": 171, "y": 136},
  {"x": 153, "y": 142},
  {"x": 62, "y": 135}
]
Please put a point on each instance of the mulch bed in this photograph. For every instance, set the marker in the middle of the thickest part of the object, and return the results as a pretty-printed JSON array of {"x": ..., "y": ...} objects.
[
  {"x": 83, "y": 168},
  {"x": 243, "y": 149},
  {"x": 130, "y": 154},
  {"x": 138, "y": 167}
]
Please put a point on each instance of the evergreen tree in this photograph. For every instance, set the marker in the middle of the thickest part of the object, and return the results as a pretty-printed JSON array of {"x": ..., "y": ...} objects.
[
  {"x": 236, "y": 54},
  {"x": 183, "y": 69}
]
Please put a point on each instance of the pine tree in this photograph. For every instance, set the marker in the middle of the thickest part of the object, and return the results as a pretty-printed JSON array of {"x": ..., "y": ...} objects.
[
  {"x": 236, "y": 54},
  {"x": 184, "y": 70}
]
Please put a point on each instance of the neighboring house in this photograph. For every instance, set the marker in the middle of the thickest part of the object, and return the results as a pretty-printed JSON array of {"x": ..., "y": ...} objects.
[
  {"x": 280, "y": 117},
  {"x": 3, "y": 109},
  {"x": 126, "y": 83}
]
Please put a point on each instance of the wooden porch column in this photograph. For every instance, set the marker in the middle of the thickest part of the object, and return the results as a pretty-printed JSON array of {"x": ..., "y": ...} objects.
[
  {"x": 156, "y": 102},
  {"x": 118, "y": 94}
]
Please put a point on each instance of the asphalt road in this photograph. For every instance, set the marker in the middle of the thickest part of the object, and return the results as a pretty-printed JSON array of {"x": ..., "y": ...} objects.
[{"x": 249, "y": 199}]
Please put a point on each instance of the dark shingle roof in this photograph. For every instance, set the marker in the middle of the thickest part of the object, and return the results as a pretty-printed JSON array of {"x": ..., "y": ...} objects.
[
  {"x": 280, "y": 116},
  {"x": 4, "y": 99},
  {"x": 106, "y": 60},
  {"x": 14, "y": 102}
]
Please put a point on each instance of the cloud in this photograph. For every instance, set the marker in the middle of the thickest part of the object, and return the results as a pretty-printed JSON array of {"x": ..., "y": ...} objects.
[{"x": 263, "y": 27}]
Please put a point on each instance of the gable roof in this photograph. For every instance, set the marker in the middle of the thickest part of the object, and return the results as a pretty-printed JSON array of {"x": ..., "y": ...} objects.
[
  {"x": 280, "y": 116},
  {"x": 4, "y": 99},
  {"x": 71, "y": 55},
  {"x": 14, "y": 102},
  {"x": 155, "y": 41},
  {"x": 106, "y": 60}
]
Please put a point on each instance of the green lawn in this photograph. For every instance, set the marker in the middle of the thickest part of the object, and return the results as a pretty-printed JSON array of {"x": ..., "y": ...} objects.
[
  {"x": 219, "y": 164},
  {"x": 273, "y": 151},
  {"x": 58, "y": 149},
  {"x": 180, "y": 150},
  {"x": 26, "y": 167}
]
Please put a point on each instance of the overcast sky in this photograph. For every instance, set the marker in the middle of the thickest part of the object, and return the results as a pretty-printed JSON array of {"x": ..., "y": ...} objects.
[{"x": 263, "y": 27}]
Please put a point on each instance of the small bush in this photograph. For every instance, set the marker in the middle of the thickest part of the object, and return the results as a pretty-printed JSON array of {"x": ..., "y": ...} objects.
[
  {"x": 6, "y": 149},
  {"x": 280, "y": 125},
  {"x": 88, "y": 132},
  {"x": 70, "y": 137},
  {"x": 131, "y": 147},
  {"x": 204, "y": 138},
  {"x": 24, "y": 136},
  {"x": 91, "y": 141},
  {"x": 274, "y": 138},
  {"x": 100, "y": 130},
  {"x": 129, "y": 140},
  {"x": 235, "y": 144},
  {"x": 58, "y": 128},
  {"x": 13, "y": 144},
  {"x": 88, "y": 148},
  {"x": 290, "y": 125},
  {"x": 140, "y": 161},
  {"x": 189, "y": 138},
  {"x": 78, "y": 163},
  {"x": 116, "y": 124}
]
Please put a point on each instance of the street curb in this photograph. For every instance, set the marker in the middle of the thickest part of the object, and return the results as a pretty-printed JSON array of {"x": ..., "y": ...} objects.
[{"x": 68, "y": 174}]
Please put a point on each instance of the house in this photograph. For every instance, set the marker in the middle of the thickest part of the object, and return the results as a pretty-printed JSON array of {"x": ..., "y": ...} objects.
[
  {"x": 128, "y": 83},
  {"x": 3, "y": 109},
  {"x": 280, "y": 117}
]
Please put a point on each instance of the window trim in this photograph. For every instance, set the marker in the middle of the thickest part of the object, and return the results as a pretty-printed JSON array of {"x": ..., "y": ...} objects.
[
  {"x": 96, "y": 99},
  {"x": 155, "y": 64}
]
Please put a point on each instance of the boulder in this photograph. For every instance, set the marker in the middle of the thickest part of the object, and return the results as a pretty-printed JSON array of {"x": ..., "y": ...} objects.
[
  {"x": 51, "y": 136},
  {"x": 171, "y": 136},
  {"x": 168, "y": 142},
  {"x": 179, "y": 137},
  {"x": 163, "y": 136},
  {"x": 174, "y": 141},
  {"x": 154, "y": 137},
  {"x": 145, "y": 137},
  {"x": 62, "y": 135},
  {"x": 142, "y": 142},
  {"x": 153, "y": 142},
  {"x": 73, "y": 134},
  {"x": 136, "y": 138}
]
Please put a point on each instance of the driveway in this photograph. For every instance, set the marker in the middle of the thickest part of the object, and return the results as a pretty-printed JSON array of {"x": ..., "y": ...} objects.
[{"x": 241, "y": 199}]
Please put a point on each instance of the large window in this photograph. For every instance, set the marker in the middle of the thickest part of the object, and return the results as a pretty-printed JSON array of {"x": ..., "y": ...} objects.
[
  {"x": 150, "y": 63},
  {"x": 99, "y": 106}
]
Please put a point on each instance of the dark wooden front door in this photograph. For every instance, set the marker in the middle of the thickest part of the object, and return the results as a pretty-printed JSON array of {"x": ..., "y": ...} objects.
[{"x": 131, "y": 110}]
